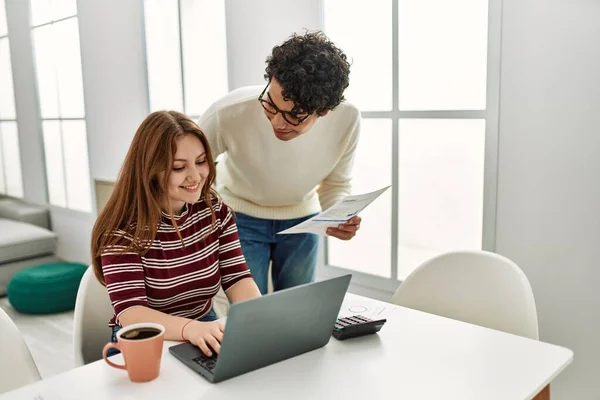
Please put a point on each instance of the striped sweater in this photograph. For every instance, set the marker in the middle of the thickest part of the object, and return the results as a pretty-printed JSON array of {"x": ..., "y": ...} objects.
[{"x": 172, "y": 278}]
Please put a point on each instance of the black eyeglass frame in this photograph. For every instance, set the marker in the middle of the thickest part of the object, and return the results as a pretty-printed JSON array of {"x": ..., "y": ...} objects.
[{"x": 277, "y": 110}]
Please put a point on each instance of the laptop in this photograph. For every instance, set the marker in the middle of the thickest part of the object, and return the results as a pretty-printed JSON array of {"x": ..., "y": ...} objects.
[{"x": 269, "y": 329}]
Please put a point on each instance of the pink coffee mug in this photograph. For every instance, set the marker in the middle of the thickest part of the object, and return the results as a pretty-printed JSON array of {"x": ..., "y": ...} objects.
[{"x": 141, "y": 345}]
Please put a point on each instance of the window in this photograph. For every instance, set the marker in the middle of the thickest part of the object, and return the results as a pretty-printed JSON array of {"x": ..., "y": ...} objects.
[
  {"x": 11, "y": 182},
  {"x": 60, "y": 88},
  {"x": 428, "y": 98},
  {"x": 186, "y": 54}
]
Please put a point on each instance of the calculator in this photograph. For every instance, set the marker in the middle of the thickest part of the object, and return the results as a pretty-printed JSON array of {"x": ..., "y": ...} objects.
[{"x": 355, "y": 326}]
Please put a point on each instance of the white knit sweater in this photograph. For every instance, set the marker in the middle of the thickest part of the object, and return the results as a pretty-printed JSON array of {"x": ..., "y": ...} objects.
[{"x": 264, "y": 177}]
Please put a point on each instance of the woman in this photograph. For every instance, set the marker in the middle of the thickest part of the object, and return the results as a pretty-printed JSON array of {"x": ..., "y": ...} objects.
[{"x": 165, "y": 243}]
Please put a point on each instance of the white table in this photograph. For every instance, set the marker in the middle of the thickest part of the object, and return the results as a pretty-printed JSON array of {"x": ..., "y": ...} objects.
[{"x": 415, "y": 356}]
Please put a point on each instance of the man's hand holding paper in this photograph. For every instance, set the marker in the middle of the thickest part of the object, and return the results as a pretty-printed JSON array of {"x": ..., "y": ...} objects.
[
  {"x": 340, "y": 220},
  {"x": 345, "y": 231}
]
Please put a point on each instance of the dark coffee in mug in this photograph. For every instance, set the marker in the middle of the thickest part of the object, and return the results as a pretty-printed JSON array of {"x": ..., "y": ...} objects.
[
  {"x": 140, "y": 333},
  {"x": 142, "y": 347}
]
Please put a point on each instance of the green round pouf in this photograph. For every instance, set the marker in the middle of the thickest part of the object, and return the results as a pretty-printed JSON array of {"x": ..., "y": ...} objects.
[{"x": 46, "y": 288}]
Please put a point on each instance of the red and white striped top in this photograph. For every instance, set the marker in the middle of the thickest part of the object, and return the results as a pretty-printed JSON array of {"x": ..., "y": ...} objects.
[{"x": 176, "y": 279}]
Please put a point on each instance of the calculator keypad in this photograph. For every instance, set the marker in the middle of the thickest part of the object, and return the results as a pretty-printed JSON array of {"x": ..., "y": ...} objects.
[{"x": 353, "y": 320}]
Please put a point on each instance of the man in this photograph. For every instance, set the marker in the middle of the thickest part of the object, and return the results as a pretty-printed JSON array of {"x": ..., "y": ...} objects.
[{"x": 288, "y": 154}]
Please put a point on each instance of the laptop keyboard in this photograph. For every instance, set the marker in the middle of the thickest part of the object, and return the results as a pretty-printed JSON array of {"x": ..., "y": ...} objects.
[{"x": 206, "y": 362}]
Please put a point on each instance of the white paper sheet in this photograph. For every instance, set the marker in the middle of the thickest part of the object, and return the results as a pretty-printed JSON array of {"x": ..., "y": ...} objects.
[
  {"x": 337, "y": 214},
  {"x": 48, "y": 395},
  {"x": 366, "y": 309}
]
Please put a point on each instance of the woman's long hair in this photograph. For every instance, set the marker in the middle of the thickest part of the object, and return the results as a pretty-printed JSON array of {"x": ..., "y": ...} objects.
[{"x": 139, "y": 195}]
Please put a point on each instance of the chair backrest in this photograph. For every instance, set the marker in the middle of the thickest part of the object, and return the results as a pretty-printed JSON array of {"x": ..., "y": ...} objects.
[
  {"x": 17, "y": 367},
  {"x": 93, "y": 310},
  {"x": 477, "y": 287}
]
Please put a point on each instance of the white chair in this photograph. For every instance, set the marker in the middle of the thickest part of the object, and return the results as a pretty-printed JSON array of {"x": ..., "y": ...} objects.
[
  {"x": 93, "y": 310},
  {"x": 17, "y": 367},
  {"x": 477, "y": 287}
]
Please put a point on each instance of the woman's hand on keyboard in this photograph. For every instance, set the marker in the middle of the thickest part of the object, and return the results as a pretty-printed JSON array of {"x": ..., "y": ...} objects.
[{"x": 205, "y": 334}]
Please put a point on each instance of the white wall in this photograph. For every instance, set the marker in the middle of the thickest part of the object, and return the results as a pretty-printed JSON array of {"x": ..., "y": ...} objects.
[
  {"x": 114, "y": 78},
  {"x": 254, "y": 27},
  {"x": 548, "y": 215}
]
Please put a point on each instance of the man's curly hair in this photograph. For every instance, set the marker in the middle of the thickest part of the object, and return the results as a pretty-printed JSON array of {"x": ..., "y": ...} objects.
[{"x": 311, "y": 70}]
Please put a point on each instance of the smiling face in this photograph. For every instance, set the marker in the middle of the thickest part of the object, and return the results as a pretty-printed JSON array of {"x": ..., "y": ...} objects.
[
  {"x": 284, "y": 130},
  {"x": 190, "y": 170}
]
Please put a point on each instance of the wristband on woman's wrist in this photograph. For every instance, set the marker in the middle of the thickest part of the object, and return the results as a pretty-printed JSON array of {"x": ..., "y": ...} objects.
[{"x": 184, "y": 325}]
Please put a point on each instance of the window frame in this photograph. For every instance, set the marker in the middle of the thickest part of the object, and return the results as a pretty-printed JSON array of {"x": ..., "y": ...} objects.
[
  {"x": 491, "y": 117},
  {"x": 4, "y": 189},
  {"x": 60, "y": 119}
]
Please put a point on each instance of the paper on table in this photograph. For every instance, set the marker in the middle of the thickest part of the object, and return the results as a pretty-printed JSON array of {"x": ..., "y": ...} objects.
[
  {"x": 337, "y": 214},
  {"x": 366, "y": 309},
  {"x": 47, "y": 396}
]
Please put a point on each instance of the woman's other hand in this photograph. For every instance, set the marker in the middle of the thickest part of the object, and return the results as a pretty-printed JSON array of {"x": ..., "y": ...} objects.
[{"x": 205, "y": 334}]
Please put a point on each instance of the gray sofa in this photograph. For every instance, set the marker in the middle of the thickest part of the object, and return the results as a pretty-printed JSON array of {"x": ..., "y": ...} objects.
[{"x": 25, "y": 238}]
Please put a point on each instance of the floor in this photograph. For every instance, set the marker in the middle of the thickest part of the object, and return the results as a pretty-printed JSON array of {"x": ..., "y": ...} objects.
[{"x": 49, "y": 338}]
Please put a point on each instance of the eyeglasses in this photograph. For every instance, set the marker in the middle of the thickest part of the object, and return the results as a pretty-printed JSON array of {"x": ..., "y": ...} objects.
[{"x": 272, "y": 109}]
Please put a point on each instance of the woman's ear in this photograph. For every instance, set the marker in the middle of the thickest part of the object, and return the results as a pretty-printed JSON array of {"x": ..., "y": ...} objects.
[{"x": 324, "y": 113}]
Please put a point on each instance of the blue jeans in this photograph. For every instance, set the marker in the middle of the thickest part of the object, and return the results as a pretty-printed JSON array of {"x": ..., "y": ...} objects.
[
  {"x": 293, "y": 257},
  {"x": 210, "y": 316}
]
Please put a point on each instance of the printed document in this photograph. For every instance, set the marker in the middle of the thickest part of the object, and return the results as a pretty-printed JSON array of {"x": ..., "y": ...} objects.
[{"x": 338, "y": 213}]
